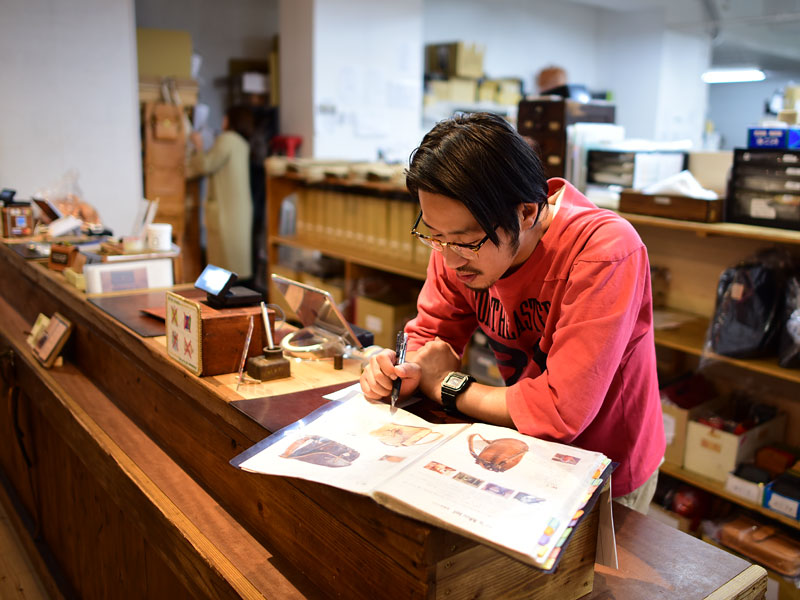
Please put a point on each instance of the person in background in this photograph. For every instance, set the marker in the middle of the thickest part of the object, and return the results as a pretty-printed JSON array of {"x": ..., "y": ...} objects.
[
  {"x": 560, "y": 287},
  {"x": 229, "y": 205}
]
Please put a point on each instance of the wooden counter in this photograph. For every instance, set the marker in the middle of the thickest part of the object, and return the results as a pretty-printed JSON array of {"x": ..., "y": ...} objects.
[{"x": 116, "y": 465}]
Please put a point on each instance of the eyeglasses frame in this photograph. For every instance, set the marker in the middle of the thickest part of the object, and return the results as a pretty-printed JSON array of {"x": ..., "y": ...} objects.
[{"x": 440, "y": 246}]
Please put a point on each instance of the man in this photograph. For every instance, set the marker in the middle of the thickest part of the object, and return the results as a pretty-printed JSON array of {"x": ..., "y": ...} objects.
[{"x": 560, "y": 287}]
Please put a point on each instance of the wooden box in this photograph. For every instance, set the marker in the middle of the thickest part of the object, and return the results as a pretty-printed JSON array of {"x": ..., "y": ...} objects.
[
  {"x": 210, "y": 341},
  {"x": 671, "y": 206}
]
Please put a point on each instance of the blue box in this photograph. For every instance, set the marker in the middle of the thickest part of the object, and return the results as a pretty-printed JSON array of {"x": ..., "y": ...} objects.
[
  {"x": 781, "y": 504},
  {"x": 793, "y": 138},
  {"x": 767, "y": 137}
]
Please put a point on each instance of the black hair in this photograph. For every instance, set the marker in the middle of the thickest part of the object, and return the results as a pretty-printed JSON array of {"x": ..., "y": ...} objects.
[
  {"x": 480, "y": 160},
  {"x": 241, "y": 120}
]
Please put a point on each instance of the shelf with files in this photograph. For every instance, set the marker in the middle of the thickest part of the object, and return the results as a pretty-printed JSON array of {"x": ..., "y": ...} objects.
[
  {"x": 364, "y": 224},
  {"x": 349, "y": 255}
]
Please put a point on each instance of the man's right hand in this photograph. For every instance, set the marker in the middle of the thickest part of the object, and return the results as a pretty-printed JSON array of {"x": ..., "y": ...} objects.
[{"x": 380, "y": 373}]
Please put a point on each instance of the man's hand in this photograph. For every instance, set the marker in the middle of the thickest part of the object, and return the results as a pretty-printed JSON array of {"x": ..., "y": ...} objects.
[
  {"x": 435, "y": 359},
  {"x": 380, "y": 372}
]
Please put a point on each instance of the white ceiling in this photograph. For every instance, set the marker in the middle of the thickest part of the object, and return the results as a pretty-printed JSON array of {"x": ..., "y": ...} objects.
[{"x": 764, "y": 33}]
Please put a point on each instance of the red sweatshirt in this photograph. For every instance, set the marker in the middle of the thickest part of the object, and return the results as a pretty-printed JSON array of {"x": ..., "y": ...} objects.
[{"x": 572, "y": 331}]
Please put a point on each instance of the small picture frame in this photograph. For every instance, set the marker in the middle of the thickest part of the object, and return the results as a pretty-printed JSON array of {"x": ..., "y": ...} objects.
[{"x": 48, "y": 338}]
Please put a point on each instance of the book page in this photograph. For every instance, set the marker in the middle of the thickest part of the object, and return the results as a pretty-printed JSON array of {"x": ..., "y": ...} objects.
[
  {"x": 353, "y": 445},
  {"x": 500, "y": 487}
]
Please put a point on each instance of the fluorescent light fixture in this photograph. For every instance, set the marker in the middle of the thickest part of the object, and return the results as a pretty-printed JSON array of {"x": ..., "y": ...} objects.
[{"x": 733, "y": 75}]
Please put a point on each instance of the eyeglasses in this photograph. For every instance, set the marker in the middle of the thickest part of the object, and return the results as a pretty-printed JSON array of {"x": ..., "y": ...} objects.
[{"x": 468, "y": 251}]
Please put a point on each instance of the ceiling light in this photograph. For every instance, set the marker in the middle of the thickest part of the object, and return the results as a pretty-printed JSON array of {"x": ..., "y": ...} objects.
[{"x": 733, "y": 75}]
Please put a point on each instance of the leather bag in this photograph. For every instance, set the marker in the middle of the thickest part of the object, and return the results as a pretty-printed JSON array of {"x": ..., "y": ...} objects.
[
  {"x": 496, "y": 455},
  {"x": 763, "y": 544}
]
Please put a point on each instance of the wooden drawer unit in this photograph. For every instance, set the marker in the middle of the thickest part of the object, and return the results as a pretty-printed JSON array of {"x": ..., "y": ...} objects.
[{"x": 545, "y": 122}]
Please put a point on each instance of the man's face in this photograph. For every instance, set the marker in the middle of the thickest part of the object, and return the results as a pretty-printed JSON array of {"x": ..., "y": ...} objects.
[{"x": 449, "y": 221}]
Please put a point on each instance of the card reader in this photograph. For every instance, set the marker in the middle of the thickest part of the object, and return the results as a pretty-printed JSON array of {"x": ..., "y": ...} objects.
[{"x": 217, "y": 283}]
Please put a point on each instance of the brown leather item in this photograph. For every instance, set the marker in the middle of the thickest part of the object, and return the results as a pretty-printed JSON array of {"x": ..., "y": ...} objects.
[
  {"x": 166, "y": 121},
  {"x": 763, "y": 544},
  {"x": 496, "y": 455},
  {"x": 321, "y": 451}
]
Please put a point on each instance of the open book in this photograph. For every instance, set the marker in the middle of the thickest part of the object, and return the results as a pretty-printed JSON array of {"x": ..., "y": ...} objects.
[{"x": 495, "y": 485}]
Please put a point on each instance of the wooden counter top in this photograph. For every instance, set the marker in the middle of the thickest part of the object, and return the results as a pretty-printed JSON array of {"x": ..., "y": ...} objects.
[{"x": 156, "y": 441}]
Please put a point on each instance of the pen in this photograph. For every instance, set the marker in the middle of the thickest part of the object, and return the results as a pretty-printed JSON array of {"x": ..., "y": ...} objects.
[
  {"x": 400, "y": 358},
  {"x": 265, "y": 318}
]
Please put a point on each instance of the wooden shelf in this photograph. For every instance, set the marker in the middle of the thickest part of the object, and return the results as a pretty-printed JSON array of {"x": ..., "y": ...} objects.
[
  {"x": 385, "y": 263},
  {"x": 718, "y": 489},
  {"x": 690, "y": 338},
  {"x": 738, "y": 230}
]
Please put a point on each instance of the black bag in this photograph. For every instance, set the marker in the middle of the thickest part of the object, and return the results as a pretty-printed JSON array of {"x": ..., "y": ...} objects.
[
  {"x": 789, "y": 348},
  {"x": 749, "y": 308}
]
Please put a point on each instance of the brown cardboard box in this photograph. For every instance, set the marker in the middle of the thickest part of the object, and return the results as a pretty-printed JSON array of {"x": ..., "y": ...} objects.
[
  {"x": 454, "y": 59},
  {"x": 676, "y": 421},
  {"x": 454, "y": 90},
  {"x": 715, "y": 453},
  {"x": 164, "y": 52},
  {"x": 383, "y": 317}
]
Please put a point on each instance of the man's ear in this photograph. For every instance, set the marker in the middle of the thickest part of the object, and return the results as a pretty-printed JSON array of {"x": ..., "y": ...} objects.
[{"x": 528, "y": 211}]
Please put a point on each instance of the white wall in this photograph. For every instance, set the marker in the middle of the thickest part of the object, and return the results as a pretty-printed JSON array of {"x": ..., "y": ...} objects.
[
  {"x": 220, "y": 31},
  {"x": 367, "y": 82},
  {"x": 683, "y": 97},
  {"x": 296, "y": 56},
  {"x": 70, "y": 100}
]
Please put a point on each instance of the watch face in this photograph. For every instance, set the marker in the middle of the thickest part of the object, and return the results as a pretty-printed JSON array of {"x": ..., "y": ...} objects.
[{"x": 455, "y": 380}]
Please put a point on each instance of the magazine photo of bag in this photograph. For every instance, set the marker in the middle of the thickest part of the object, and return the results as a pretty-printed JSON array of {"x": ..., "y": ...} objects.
[{"x": 516, "y": 493}]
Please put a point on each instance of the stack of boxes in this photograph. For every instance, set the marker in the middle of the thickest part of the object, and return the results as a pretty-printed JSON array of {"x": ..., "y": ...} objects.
[{"x": 454, "y": 73}]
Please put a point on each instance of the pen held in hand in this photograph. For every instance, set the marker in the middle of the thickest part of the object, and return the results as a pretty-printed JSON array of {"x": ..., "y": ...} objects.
[{"x": 400, "y": 358}]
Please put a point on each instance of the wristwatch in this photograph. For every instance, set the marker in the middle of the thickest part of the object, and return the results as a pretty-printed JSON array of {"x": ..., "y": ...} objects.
[{"x": 454, "y": 383}]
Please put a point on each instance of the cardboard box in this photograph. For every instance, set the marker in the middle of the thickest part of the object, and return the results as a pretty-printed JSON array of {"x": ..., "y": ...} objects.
[
  {"x": 715, "y": 453},
  {"x": 773, "y": 137},
  {"x": 676, "y": 422},
  {"x": 749, "y": 490},
  {"x": 454, "y": 59},
  {"x": 781, "y": 504},
  {"x": 164, "y": 53},
  {"x": 454, "y": 90},
  {"x": 384, "y": 317},
  {"x": 671, "y": 206}
]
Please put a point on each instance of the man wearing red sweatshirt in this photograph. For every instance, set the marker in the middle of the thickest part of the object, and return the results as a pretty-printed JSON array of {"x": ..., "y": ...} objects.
[{"x": 560, "y": 287}]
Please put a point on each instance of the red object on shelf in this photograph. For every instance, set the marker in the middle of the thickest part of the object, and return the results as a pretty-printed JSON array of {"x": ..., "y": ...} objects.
[{"x": 286, "y": 144}]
